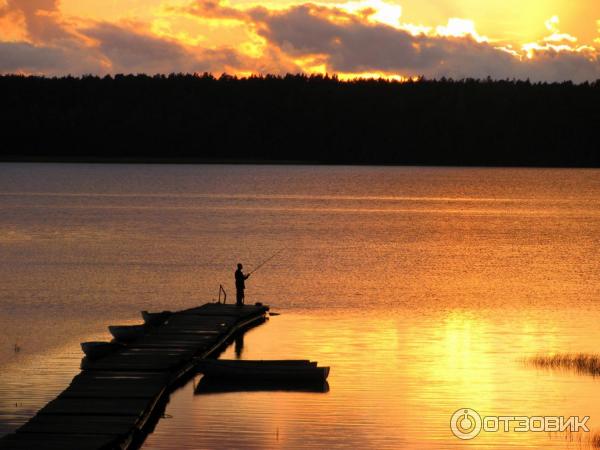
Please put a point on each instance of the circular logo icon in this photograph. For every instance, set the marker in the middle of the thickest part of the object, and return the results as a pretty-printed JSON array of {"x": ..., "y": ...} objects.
[{"x": 465, "y": 424}]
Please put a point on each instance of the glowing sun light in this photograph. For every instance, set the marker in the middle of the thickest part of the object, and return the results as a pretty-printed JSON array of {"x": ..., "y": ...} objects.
[
  {"x": 460, "y": 28},
  {"x": 383, "y": 12}
]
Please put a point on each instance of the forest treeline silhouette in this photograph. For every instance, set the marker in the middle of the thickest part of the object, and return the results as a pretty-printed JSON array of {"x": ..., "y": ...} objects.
[{"x": 298, "y": 118}]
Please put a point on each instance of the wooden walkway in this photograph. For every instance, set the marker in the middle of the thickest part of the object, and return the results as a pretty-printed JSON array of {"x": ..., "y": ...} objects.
[{"x": 111, "y": 402}]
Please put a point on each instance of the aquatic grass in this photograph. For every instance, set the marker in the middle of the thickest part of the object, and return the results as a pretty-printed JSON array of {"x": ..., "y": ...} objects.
[
  {"x": 584, "y": 363},
  {"x": 582, "y": 440}
]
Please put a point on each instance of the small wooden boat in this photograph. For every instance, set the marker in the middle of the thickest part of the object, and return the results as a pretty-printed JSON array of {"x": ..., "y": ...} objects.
[
  {"x": 155, "y": 319},
  {"x": 210, "y": 385},
  {"x": 294, "y": 370},
  {"x": 260, "y": 362},
  {"x": 95, "y": 350},
  {"x": 127, "y": 333}
]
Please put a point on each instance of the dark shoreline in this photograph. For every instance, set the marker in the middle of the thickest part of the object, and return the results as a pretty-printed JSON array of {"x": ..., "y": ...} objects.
[
  {"x": 299, "y": 119},
  {"x": 257, "y": 162}
]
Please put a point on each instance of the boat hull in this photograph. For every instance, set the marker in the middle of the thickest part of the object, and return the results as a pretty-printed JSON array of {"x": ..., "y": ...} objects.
[
  {"x": 95, "y": 350},
  {"x": 210, "y": 385},
  {"x": 155, "y": 319},
  {"x": 126, "y": 333},
  {"x": 263, "y": 370}
]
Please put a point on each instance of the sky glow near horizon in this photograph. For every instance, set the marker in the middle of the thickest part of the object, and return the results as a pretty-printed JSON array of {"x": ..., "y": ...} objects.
[{"x": 550, "y": 40}]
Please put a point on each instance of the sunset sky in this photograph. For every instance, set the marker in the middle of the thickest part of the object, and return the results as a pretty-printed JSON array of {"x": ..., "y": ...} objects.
[{"x": 551, "y": 40}]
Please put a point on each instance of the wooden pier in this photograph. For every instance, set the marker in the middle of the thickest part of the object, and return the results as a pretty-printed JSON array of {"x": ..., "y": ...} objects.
[{"x": 115, "y": 399}]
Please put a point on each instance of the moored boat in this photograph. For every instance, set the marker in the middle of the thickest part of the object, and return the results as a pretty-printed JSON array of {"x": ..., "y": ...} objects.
[
  {"x": 294, "y": 370},
  {"x": 94, "y": 350},
  {"x": 126, "y": 333},
  {"x": 155, "y": 319},
  {"x": 210, "y": 385}
]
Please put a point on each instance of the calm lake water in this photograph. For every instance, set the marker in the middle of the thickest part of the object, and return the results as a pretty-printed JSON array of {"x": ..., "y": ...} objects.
[{"x": 424, "y": 289}]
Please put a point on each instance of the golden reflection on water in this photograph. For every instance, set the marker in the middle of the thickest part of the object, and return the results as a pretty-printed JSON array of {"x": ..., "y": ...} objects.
[
  {"x": 29, "y": 381},
  {"x": 395, "y": 382},
  {"x": 423, "y": 288}
]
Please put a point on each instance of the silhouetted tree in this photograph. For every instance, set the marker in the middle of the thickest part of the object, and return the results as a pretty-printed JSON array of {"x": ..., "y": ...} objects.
[{"x": 300, "y": 118}]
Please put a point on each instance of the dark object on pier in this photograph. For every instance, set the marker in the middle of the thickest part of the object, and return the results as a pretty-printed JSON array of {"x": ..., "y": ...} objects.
[
  {"x": 126, "y": 333},
  {"x": 240, "y": 284},
  {"x": 292, "y": 370},
  {"x": 95, "y": 350},
  {"x": 155, "y": 319}
]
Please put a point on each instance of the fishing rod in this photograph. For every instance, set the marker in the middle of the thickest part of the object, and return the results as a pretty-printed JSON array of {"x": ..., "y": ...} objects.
[{"x": 267, "y": 260}]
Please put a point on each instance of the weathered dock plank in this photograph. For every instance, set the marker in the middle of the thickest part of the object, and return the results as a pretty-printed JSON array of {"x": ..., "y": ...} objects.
[
  {"x": 199, "y": 322},
  {"x": 107, "y": 375},
  {"x": 106, "y": 384},
  {"x": 183, "y": 331},
  {"x": 136, "y": 352},
  {"x": 177, "y": 342},
  {"x": 91, "y": 424},
  {"x": 96, "y": 406},
  {"x": 112, "y": 390},
  {"x": 111, "y": 400},
  {"x": 50, "y": 441},
  {"x": 136, "y": 362},
  {"x": 216, "y": 309}
]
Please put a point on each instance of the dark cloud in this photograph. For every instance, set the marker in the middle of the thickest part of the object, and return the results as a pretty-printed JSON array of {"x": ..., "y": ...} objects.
[
  {"x": 57, "y": 48},
  {"x": 51, "y": 48},
  {"x": 561, "y": 66},
  {"x": 209, "y": 60},
  {"x": 354, "y": 45},
  {"x": 23, "y": 57},
  {"x": 116, "y": 49},
  {"x": 349, "y": 44},
  {"x": 131, "y": 51}
]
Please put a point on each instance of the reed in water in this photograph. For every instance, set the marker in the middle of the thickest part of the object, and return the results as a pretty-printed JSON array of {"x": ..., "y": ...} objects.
[
  {"x": 579, "y": 362},
  {"x": 582, "y": 440}
]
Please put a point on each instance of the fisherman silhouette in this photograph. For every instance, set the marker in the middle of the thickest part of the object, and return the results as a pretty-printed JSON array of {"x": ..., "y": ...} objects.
[{"x": 240, "y": 285}]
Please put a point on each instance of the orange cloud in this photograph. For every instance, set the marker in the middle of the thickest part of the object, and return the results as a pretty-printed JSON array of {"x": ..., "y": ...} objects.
[
  {"x": 211, "y": 9},
  {"x": 40, "y": 19},
  {"x": 356, "y": 37}
]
